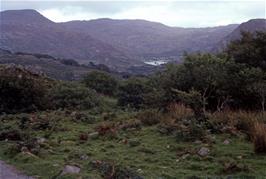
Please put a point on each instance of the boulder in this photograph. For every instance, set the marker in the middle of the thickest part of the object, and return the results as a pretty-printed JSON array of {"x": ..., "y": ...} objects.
[{"x": 204, "y": 151}]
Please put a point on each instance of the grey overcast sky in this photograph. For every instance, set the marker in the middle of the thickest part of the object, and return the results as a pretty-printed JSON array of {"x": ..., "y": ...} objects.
[{"x": 173, "y": 13}]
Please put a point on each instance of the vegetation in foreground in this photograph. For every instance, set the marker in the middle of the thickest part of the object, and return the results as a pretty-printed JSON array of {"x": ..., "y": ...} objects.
[{"x": 196, "y": 119}]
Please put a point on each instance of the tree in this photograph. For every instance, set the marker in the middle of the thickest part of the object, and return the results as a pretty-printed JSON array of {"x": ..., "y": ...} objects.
[
  {"x": 193, "y": 100},
  {"x": 132, "y": 92},
  {"x": 260, "y": 89},
  {"x": 102, "y": 82},
  {"x": 250, "y": 49},
  {"x": 73, "y": 96}
]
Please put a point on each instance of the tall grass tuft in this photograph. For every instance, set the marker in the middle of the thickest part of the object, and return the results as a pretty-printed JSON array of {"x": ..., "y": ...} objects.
[
  {"x": 179, "y": 111},
  {"x": 259, "y": 138}
]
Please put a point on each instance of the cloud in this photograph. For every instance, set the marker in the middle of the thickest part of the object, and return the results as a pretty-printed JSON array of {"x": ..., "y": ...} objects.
[{"x": 173, "y": 13}]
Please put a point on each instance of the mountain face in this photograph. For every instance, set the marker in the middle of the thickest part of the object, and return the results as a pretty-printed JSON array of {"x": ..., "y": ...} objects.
[
  {"x": 252, "y": 26},
  {"x": 142, "y": 38},
  {"x": 29, "y": 31},
  {"x": 119, "y": 44}
]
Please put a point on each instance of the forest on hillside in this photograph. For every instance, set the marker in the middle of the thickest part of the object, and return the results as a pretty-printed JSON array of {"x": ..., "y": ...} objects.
[{"x": 201, "y": 118}]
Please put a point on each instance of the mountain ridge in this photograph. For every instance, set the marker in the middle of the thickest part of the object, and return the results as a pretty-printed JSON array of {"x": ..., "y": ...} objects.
[{"x": 116, "y": 43}]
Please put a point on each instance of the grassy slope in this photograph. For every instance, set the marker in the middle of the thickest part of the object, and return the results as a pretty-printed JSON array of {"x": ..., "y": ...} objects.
[{"x": 156, "y": 156}]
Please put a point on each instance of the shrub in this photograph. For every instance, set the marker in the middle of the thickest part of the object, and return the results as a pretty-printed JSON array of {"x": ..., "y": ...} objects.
[
  {"x": 235, "y": 121},
  {"x": 193, "y": 99},
  {"x": 149, "y": 117},
  {"x": 132, "y": 93},
  {"x": 21, "y": 90},
  {"x": 102, "y": 82},
  {"x": 73, "y": 96},
  {"x": 259, "y": 138}
]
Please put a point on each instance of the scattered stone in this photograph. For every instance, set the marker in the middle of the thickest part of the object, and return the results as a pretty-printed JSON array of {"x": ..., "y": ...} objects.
[
  {"x": 204, "y": 151},
  {"x": 94, "y": 135},
  {"x": 70, "y": 169},
  {"x": 226, "y": 142},
  {"x": 84, "y": 157},
  {"x": 139, "y": 171},
  {"x": 239, "y": 157},
  {"x": 73, "y": 113},
  {"x": 183, "y": 157},
  {"x": 41, "y": 140}
]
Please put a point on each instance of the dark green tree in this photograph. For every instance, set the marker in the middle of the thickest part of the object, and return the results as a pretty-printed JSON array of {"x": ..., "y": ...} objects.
[
  {"x": 102, "y": 82},
  {"x": 250, "y": 49}
]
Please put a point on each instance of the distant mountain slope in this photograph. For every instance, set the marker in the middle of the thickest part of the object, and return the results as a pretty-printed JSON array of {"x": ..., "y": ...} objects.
[
  {"x": 252, "y": 26},
  {"x": 120, "y": 44},
  {"x": 29, "y": 31},
  {"x": 150, "y": 39}
]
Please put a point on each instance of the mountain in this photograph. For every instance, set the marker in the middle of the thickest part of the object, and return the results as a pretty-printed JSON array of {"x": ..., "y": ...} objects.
[
  {"x": 119, "y": 44},
  {"x": 252, "y": 26},
  {"x": 29, "y": 31},
  {"x": 142, "y": 38}
]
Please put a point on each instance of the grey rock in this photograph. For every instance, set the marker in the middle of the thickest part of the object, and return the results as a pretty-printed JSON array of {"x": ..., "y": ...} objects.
[
  {"x": 94, "y": 135},
  {"x": 226, "y": 142},
  {"x": 70, "y": 169},
  {"x": 204, "y": 151}
]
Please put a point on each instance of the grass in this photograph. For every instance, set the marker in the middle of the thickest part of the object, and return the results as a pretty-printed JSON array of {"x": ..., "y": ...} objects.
[{"x": 154, "y": 155}]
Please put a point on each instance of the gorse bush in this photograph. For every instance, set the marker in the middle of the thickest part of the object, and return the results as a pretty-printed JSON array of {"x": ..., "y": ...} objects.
[{"x": 73, "y": 96}]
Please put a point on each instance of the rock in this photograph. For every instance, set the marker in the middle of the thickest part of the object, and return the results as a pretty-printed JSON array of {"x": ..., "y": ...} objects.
[
  {"x": 226, "y": 142},
  {"x": 84, "y": 157},
  {"x": 41, "y": 140},
  {"x": 185, "y": 156},
  {"x": 70, "y": 169},
  {"x": 239, "y": 157},
  {"x": 94, "y": 135},
  {"x": 139, "y": 171},
  {"x": 204, "y": 151}
]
